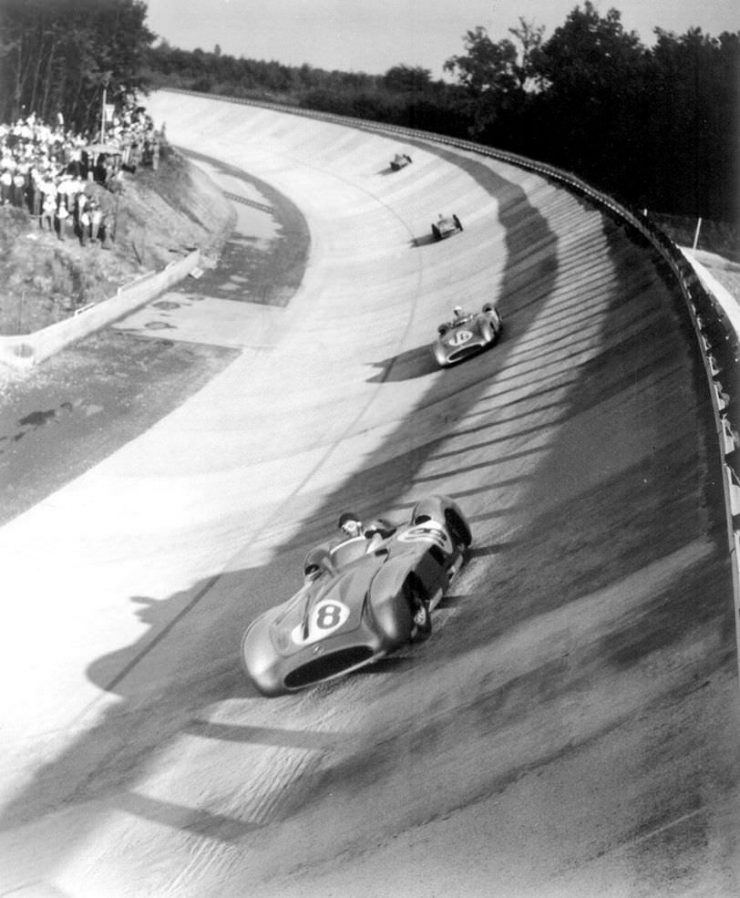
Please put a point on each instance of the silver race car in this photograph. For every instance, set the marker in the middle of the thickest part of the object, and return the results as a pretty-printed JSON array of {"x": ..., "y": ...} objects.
[
  {"x": 446, "y": 225},
  {"x": 467, "y": 334},
  {"x": 361, "y": 599},
  {"x": 400, "y": 160}
]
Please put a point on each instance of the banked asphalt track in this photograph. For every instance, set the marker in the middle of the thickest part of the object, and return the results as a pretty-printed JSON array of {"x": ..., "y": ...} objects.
[{"x": 571, "y": 728}]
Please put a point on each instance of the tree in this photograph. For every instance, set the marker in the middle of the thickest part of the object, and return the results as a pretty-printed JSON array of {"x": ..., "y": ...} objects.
[
  {"x": 594, "y": 75},
  {"x": 493, "y": 74},
  {"x": 405, "y": 79},
  {"x": 529, "y": 36},
  {"x": 694, "y": 94},
  {"x": 55, "y": 56}
]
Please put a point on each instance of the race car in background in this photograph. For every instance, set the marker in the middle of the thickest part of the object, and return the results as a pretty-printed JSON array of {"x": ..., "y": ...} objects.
[
  {"x": 400, "y": 160},
  {"x": 361, "y": 599},
  {"x": 446, "y": 225},
  {"x": 468, "y": 333}
]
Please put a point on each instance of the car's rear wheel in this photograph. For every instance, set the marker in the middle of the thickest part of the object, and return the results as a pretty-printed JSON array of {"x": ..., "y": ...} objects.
[
  {"x": 436, "y": 232},
  {"x": 421, "y": 616},
  {"x": 490, "y": 309}
]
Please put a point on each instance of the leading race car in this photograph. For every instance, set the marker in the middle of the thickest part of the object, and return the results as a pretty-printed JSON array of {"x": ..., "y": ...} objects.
[
  {"x": 446, "y": 225},
  {"x": 467, "y": 334},
  {"x": 361, "y": 599}
]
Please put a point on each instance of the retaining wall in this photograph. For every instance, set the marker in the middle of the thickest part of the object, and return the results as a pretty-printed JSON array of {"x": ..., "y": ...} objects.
[{"x": 22, "y": 351}]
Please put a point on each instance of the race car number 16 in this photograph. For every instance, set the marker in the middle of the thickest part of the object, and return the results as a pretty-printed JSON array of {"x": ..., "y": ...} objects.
[{"x": 460, "y": 337}]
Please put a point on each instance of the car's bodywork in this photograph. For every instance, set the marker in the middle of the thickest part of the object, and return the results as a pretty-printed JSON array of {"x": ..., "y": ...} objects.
[
  {"x": 467, "y": 335},
  {"x": 446, "y": 225},
  {"x": 400, "y": 160},
  {"x": 361, "y": 600}
]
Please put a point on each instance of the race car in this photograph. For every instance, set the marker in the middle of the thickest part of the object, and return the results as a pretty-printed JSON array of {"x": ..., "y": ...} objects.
[
  {"x": 400, "y": 160},
  {"x": 467, "y": 334},
  {"x": 361, "y": 599},
  {"x": 446, "y": 225}
]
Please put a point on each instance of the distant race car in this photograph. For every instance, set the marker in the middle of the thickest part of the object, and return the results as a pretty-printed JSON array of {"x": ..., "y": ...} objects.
[
  {"x": 361, "y": 599},
  {"x": 446, "y": 225},
  {"x": 467, "y": 334},
  {"x": 400, "y": 160}
]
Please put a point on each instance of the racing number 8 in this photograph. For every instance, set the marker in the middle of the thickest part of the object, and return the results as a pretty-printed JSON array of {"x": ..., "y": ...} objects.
[{"x": 328, "y": 616}]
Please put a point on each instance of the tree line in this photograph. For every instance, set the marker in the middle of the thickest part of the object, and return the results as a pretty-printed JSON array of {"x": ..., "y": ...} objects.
[
  {"x": 653, "y": 126},
  {"x": 57, "y": 57}
]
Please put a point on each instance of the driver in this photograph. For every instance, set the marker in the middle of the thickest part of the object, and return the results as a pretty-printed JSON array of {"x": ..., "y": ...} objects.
[
  {"x": 350, "y": 524},
  {"x": 459, "y": 313},
  {"x": 376, "y": 531}
]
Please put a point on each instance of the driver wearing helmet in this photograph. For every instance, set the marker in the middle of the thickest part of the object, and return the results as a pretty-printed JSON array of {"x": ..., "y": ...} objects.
[
  {"x": 458, "y": 313},
  {"x": 376, "y": 531},
  {"x": 350, "y": 524}
]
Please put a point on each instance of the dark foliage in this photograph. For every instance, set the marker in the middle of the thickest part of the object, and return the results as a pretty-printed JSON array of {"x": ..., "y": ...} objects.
[
  {"x": 56, "y": 57},
  {"x": 655, "y": 127}
]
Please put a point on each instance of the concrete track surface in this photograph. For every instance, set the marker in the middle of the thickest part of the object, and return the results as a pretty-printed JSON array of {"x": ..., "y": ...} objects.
[{"x": 570, "y": 729}]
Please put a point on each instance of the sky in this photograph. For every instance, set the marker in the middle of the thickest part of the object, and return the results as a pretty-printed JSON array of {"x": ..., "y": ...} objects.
[{"x": 374, "y": 35}]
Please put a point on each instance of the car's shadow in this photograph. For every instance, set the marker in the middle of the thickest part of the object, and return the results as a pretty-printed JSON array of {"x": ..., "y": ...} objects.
[
  {"x": 384, "y": 665},
  {"x": 406, "y": 365},
  {"x": 424, "y": 241}
]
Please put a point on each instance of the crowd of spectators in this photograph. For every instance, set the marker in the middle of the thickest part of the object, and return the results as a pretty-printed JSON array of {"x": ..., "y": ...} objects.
[{"x": 46, "y": 169}]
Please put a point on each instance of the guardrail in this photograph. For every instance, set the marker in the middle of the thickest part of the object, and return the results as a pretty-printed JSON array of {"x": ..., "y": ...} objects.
[{"x": 22, "y": 351}]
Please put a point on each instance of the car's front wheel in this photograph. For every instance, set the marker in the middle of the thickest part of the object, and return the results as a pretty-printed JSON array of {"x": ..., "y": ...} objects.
[{"x": 459, "y": 531}]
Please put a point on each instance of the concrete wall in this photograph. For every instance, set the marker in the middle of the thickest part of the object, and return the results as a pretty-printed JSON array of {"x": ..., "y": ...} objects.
[{"x": 25, "y": 350}]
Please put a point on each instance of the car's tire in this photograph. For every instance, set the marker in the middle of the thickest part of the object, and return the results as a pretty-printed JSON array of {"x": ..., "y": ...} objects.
[
  {"x": 457, "y": 223},
  {"x": 487, "y": 332},
  {"x": 436, "y": 233},
  {"x": 498, "y": 322},
  {"x": 420, "y": 614},
  {"x": 459, "y": 530}
]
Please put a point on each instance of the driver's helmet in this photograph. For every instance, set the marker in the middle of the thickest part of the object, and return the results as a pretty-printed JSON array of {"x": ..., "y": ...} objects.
[
  {"x": 350, "y": 523},
  {"x": 458, "y": 312}
]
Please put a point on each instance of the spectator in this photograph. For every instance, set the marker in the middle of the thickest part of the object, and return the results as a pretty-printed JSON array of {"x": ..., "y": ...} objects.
[
  {"x": 6, "y": 183},
  {"x": 96, "y": 217},
  {"x": 44, "y": 168},
  {"x": 62, "y": 216},
  {"x": 48, "y": 209},
  {"x": 36, "y": 194},
  {"x": 83, "y": 218},
  {"x": 18, "y": 189}
]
